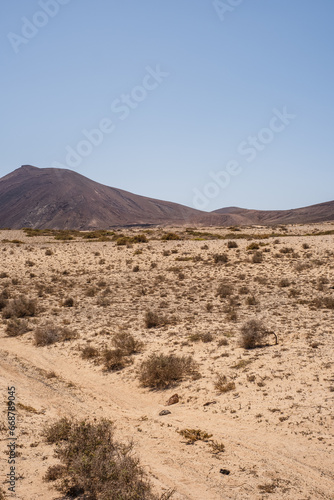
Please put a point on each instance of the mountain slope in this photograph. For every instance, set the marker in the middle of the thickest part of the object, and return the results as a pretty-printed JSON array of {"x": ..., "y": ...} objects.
[{"x": 63, "y": 199}]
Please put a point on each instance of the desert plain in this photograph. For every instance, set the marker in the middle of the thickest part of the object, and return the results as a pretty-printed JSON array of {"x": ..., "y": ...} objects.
[{"x": 263, "y": 414}]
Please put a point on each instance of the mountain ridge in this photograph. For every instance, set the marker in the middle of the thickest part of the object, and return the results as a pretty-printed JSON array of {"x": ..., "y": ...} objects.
[{"x": 57, "y": 198}]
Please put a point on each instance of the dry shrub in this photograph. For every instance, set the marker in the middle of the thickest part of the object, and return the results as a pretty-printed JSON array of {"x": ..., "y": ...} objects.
[
  {"x": 253, "y": 246},
  {"x": 59, "y": 431},
  {"x": 69, "y": 302},
  {"x": 253, "y": 334},
  {"x": 115, "y": 359},
  {"x": 323, "y": 302},
  {"x": 222, "y": 385},
  {"x": 160, "y": 371},
  {"x": 48, "y": 334},
  {"x": 220, "y": 258},
  {"x": 2, "y": 494},
  {"x": 127, "y": 343},
  {"x": 4, "y": 298},
  {"x": 284, "y": 283},
  {"x": 97, "y": 467},
  {"x": 286, "y": 250},
  {"x": 257, "y": 258},
  {"x": 16, "y": 327},
  {"x": 154, "y": 319},
  {"x": 20, "y": 307},
  {"x": 89, "y": 352},
  {"x": 232, "y": 244},
  {"x": 54, "y": 472},
  {"x": 91, "y": 291},
  {"x": 224, "y": 290},
  {"x": 193, "y": 435},
  {"x": 170, "y": 236}
]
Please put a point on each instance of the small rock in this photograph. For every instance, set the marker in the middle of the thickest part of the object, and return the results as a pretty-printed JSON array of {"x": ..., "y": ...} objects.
[
  {"x": 173, "y": 400},
  {"x": 226, "y": 472},
  {"x": 165, "y": 412}
]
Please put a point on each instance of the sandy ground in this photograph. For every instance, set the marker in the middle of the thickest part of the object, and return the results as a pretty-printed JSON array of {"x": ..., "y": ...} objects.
[{"x": 276, "y": 423}]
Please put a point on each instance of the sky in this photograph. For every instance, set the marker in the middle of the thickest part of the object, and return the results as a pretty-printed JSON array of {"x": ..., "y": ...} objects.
[{"x": 208, "y": 103}]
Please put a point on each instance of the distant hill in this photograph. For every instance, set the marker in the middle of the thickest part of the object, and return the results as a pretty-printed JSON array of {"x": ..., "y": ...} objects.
[
  {"x": 321, "y": 212},
  {"x": 62, "y": 199}
]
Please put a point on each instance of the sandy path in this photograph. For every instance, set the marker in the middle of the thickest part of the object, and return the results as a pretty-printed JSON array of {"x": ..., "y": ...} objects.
[{"x": 255, "y": 456}]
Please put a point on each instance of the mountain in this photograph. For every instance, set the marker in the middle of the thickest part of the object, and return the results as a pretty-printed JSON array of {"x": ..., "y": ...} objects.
[
  {"x": 63, "y": 199},
  {"x": 321, "y": 212}
]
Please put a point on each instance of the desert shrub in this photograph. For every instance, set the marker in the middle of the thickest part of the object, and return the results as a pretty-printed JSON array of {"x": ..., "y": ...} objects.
[
  {"x": 139, "y": 238},
  {"x": 89, "y": 352},
  {"x": 306, "y": 246},
  {"x": 54, "y": 472},
  {"x": 135, "y": 269},
  {"x": 222, "y": 385},
  {"x": 3, "y": 299},
  {"x": 257, "y": 258},
  {"x": 207, "y": 337},
  {"x": 224, "y": 290},
  {"x": 16, "y": 327},
  {"x": 209, "y": 306},
  {"x": 232, "y": 244},
  {"x": 99, "y": 468},
  {"x": 48, "y": 251},
  {"x": 69, "y": 302},
  {"x": 114, "y": 359},
  {"x": 91, "y": 291},
  {"x": 253, "y": 246},
  {"x": 253, "y": 334},
  {"x": 58, "y": 431},
  {"x": 323, "y": 302},
  {"x": 19, "y": 307},
  {"x": 286, "y": 250},
  {"x": 154, "y": 319},
  {"x": 29, "y": 263},
  {"x": 284, "y": 283},
  {"x": 2, "y": 494},
  {"x": 48, "y": 334},
  {"x": 193, "y": 435},
  {"x": 160, "y": 371},
  {"x": 251, "y": 300},
  {"x": 204, "y": 337},
  {"x": 220, "y": 258},
  {"x": 243, "y": 290},
  {"x": 3, "y": 275},
  {"x": 127, "y": 343},
  {"x": 170, "y": 236},
  {"x": 103, "y": 301}
]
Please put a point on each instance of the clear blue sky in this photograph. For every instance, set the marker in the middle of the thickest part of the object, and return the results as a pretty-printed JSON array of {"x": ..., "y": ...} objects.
[{"x": 222, "y": 71}]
